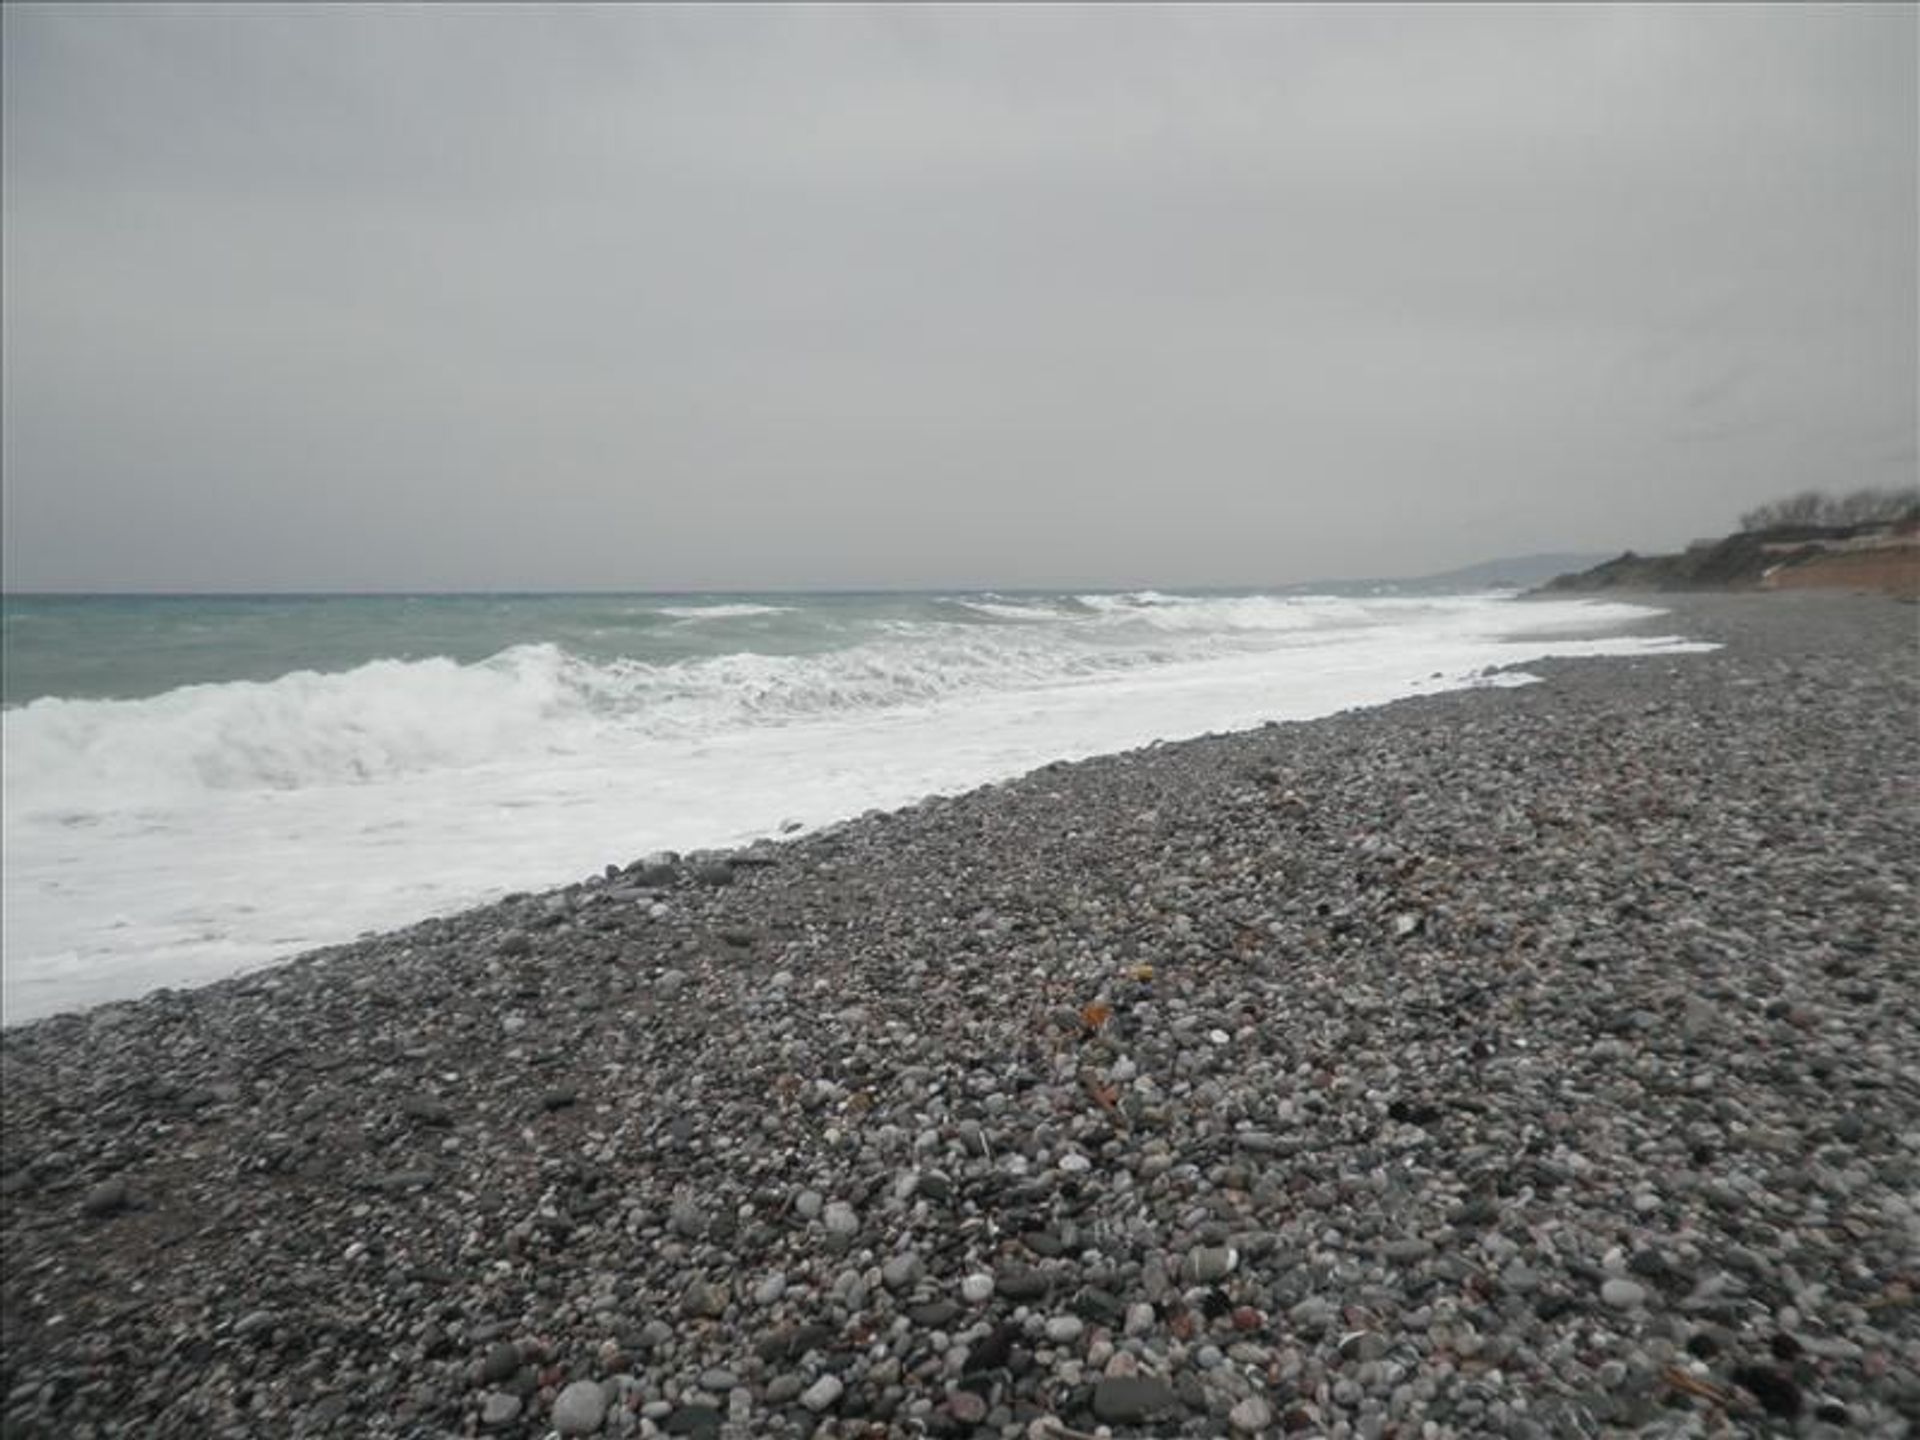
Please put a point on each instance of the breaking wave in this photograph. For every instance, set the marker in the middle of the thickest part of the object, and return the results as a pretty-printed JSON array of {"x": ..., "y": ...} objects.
[{"x": 391, "y": 718}]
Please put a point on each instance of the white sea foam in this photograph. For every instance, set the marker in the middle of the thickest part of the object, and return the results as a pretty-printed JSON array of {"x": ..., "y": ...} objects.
[
  {"x": 391, "y": 718},
  {"x": 1007, "y": 610},
  {"x": 735, "y": 611},
  {"x": 213, "y": 828}
]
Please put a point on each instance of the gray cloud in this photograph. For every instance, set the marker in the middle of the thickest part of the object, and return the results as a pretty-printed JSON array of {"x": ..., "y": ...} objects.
[{"x": 761, "y": 296}]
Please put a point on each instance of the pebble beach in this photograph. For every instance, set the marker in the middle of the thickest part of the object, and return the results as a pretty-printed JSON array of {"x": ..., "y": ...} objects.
[{"x": 1532, "y": 1062}]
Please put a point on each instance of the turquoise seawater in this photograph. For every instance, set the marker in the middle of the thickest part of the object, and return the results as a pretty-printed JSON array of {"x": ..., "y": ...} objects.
[{"x": 112, "y": 647}]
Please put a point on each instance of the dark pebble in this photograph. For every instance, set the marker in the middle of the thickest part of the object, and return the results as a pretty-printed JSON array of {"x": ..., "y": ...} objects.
[
  {"x": 1553, "y": 1306},
  {"x": 1476, "y": 1215},
  {"x": 425, "y": 1110},
  {"x": 503, "y": 1359},
  {"x": 109, "y": 1197},
  {"x": 1413, "y": 1112},
  {"x": 1129, "y": 1399},
  {"x": 701, "y": 1420},
  {"x": 992, "y": 1352},
  {"x": 793, "y": 1342},
  {"x": 1022, "y": 1284},
  {"x": 1776, "y": 1393}
]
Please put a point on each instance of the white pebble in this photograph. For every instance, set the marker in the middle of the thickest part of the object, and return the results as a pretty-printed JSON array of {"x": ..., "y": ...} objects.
[{"x": 1065, "y": 1329}]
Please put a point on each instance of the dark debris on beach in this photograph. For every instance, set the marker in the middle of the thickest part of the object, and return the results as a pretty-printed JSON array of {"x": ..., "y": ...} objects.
[{"x": 1524, "y": 1062}]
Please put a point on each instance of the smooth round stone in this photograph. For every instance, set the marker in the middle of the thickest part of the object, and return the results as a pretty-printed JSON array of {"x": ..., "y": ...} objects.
[
  {"x": 503, "y": 1358},
  {"x": 1622, "y": 1294},
  {"x": 976, "y": 1289},
  {"x": 1251, "y": 1416},
  {"x": 822, "y": 1393},
  {"x": 687, "y": 1218},
  {"x": 1520, "y": 1278},
  {"x": 783, "y": 1388},
  {"x": 1314, "y": 1312},
  {"x": 1065, "y": 1329},
  {"x": 1127, "y": 1400},
  {"x": 1075, "y": 1164},
  {"x": 579, "y": 1409},
  {"x": 840, "y": 1219},
  {"x": 966, "y": 1407},
  {"x": 718, "y": 1379},
  {"x": 499, "y": 1409},
  {"x": 901, "y": 1271},
  {"x": 704, "y": 1299},
  {"x": 807, "y": 1204},
  {"x": 1211, "y": 1262},
  {"x": 109, "y": 1197}
]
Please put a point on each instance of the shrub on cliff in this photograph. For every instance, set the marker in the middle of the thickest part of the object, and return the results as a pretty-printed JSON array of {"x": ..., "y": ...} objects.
[{"x": 1815, "y": 508}]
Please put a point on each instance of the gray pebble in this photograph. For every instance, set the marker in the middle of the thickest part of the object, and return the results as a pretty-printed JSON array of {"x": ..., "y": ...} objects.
[
  {"x": 109, "y": 1197},
  {"x": 500, "y": 1409},
  {"x": 1622, "y": 1294},
  {"x": 579, "y": 1409},
  {"x": 823, "y": 1394}
]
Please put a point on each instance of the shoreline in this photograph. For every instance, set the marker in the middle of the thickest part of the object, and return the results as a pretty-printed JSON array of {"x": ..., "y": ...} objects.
[
  {"x": 551, "y": 765},
  {"x": 1139, "y": 1090}
]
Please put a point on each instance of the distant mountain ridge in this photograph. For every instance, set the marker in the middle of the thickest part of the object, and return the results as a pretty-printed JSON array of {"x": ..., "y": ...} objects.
[{"x": 1512, "y": 572}]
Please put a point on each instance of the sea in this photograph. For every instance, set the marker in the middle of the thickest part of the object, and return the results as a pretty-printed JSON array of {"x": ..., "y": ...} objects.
[{"x": 196, "y": 786}]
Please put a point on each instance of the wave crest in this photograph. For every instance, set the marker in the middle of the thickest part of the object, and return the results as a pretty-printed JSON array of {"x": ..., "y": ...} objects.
[
  {"x": 392, "y": 718},
  {"x": 722, "y": 612}
]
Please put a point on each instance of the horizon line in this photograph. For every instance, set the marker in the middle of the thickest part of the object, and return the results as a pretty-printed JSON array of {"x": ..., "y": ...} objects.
[{"x": 1097, "y": 587}]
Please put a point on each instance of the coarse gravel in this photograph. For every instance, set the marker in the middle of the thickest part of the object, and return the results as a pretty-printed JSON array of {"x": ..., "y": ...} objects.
[{"x": 1529, "y": 1062}]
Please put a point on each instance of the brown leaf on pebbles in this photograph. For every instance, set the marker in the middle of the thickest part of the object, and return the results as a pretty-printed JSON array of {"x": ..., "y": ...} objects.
[
  {"x": 1103, "y": 1094},
  {"x": 1677, "y": 1379}
]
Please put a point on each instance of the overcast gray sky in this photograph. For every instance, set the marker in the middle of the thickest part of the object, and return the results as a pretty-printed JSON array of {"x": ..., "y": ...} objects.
[{"x": 662, "y": 297}]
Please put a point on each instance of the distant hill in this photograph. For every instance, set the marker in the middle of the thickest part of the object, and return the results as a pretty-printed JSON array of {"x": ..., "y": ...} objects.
[{"x": 1514, "y": 572}]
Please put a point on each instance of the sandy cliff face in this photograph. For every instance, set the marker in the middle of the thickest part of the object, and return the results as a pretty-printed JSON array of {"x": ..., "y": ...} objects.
[{"x": 1893, "y": 568}]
